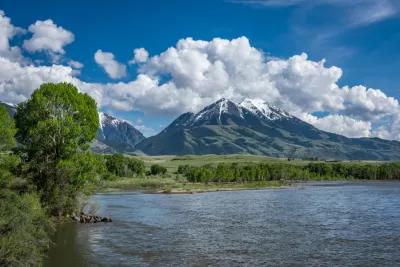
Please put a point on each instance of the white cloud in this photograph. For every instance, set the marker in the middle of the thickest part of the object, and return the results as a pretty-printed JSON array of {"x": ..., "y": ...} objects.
[
  {"x": 140, "y": 55},
  {"x": 17, "y": 82},
  {"x": 47, "y": 36},
  {"x": 7, "y": 32},
  {"x": 340, "y": 124},
  {"x": 194, "y": 73},
  {"x": 75, "y": 64},
  {"x": 113, "y": 68}
]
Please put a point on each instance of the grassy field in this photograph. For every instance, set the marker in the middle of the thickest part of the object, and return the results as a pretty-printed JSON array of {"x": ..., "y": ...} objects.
[
  {"x": 174, "y": 183},
  {"x": 172, "y": 162}
]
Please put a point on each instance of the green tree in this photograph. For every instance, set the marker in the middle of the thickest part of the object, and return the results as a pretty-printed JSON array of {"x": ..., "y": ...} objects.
[
  {"x": 53, "y": 125},
  {"x": 7, "y": 130},
  {"x": 23, "y": 223}
]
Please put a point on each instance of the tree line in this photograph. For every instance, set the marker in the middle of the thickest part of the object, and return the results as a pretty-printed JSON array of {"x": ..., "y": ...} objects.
[{"x": 247, "y": 172}]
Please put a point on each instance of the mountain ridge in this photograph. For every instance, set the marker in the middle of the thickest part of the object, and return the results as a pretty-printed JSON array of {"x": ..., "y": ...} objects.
[{"x": 255, "y": 127}]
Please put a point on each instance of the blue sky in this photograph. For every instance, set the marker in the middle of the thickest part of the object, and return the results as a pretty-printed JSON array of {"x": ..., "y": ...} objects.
[{"x": 361, "y": 37}]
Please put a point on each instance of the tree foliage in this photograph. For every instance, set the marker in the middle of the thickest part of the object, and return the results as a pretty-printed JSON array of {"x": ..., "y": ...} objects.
[
  {"x": 24, "y": 225},
  {"x": 53, "y": 125},
  {"x": 122, "y": 166},
  {"x": 281, "y": 171},
  {"x": 7, "y": 130}
]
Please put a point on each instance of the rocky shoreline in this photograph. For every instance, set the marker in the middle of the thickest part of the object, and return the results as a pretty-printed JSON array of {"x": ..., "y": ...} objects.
[{"x": 90, "y": 218}]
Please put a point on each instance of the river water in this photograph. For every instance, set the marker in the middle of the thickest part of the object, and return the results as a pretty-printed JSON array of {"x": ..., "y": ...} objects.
[{"x": 330, "y": 224}]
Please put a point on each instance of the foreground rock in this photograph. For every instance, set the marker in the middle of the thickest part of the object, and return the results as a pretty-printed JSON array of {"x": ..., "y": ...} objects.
[{"x": 89, "y": 218}]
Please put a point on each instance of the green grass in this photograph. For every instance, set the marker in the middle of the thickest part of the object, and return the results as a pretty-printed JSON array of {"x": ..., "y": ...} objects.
[{"x": 172, "y": 162}]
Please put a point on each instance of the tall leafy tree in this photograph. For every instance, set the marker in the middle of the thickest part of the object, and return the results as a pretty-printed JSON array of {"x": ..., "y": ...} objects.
[
  {"x": 7, "y": 130},
  {"x": 53, "y": 125}
]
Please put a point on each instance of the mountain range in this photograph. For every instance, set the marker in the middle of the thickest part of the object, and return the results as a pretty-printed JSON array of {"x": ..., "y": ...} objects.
[
  {"x": 255, "y": 127},
  {"x": 252, "y": 127}
]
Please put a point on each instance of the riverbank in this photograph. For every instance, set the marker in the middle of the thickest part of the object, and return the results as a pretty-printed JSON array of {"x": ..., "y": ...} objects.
[{"x": 174, "y": 186}]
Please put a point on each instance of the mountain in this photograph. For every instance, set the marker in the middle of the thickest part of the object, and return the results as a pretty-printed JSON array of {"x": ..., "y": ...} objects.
[
  {"x": 255, "y": 127},
  {"x": 114, "y": 135},
  {"x": 11, "y": 108},
  {"x": 117, "y": 135}
]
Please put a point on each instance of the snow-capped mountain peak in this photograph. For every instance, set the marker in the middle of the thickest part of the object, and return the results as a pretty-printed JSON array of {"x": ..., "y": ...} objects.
[
  {"x": 119, "y": 134},
  {"x": 216, "y": 110},
  {"x": 262, "y": 108}
]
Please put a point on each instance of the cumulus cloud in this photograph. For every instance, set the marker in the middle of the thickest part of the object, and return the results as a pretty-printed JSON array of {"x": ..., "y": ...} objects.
[
  {"x": 113, "y": 68},
  {"x": 140, "y": 55},
  {"x": 47, "y": 36},
  {"x": 340, "y": 124},
  {"x": 194, "y": 73},
  {"x": 7, "y": 32},
  {"x": 17, "y": 81}
]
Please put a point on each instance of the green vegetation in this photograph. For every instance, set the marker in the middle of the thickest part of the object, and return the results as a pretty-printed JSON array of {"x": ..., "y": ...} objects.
[
  {"x": 157, "y": 169},
  {"x": 7, "y": 130},
  {"x": 53, "y": 125},
  {"x": 23, "y": 222},
  {"x": 228, "y": 173},
  {"x": 47, "y": 172},
  {"x": 122, "y": 166}
]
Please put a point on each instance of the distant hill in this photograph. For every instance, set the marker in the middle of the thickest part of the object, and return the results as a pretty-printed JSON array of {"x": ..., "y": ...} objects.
[
  {"x": 114, "y": 135},
  {"x": 255, "y": 127}
]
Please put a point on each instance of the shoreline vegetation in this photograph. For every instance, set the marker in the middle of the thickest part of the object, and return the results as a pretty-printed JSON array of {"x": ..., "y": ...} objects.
[{"x": 210, "y": 173}]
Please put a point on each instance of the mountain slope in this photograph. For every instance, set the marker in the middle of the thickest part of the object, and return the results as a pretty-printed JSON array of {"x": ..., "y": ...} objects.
[
  {"x": 118, "y": 135},
  {"x": 254, "y": 127}
]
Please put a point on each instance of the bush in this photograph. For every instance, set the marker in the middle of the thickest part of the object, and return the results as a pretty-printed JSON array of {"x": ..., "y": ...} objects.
[
  {"x": 23, "y": 229},
  {"x": 122, "y": 166},
  {"x": 24, "y": 224},
  {"x": 157, "y": 169}
]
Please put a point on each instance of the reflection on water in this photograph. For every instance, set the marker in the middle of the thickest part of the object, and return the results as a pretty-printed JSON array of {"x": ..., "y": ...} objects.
[{"x": 333, "y": 224}]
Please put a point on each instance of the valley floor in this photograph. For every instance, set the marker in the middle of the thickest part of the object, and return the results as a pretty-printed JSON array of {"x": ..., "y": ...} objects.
[{"x": 172, "y": 182}]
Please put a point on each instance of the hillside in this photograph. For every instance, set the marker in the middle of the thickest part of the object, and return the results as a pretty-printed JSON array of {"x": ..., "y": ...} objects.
[{"x": 254, "y": 127}]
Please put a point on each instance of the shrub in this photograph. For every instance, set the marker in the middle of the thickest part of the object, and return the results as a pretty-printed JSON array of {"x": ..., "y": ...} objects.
[
  {"x": 122, "y": 166},
  {"x": 157, "y": 169}
]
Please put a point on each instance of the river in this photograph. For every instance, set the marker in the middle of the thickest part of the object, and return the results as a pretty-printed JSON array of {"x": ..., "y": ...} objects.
[{"x": 321, "y": 224}]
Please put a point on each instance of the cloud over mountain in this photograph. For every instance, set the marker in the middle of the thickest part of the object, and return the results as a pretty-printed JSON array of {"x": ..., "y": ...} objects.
[{"x": 194, "y": 73}]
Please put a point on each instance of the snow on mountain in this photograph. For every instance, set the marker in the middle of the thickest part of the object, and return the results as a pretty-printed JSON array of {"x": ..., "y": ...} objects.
[
  {"x": 118, "y": 134},
  {"x": 215, "y": 111},
  {"x": 262, "y": 108}
]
